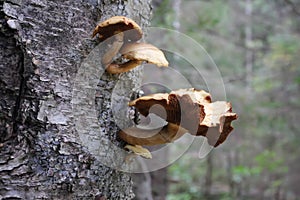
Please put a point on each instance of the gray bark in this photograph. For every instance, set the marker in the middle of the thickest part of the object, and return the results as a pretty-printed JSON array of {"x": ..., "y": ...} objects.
[{"x": 43, "y": 44}]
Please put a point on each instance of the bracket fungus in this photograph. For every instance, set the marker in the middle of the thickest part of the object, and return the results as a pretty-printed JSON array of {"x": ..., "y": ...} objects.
[
  {"x": 125, "y": 33},
  {"x": 165, "y": 134},
  {"x": 136, "y": 54},
  {"x": 186, "y": 111},
  {"x": 118, "y": 24},
  {"x": 183, "y": 107},
  {"x": 138, "y": 137},
  {"x": 121, "y": 29}
]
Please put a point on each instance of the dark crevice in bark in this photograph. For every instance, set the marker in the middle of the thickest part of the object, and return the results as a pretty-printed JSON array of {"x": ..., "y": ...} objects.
[
  {"x": 12, "y": 2},
  {"x": 16, "y": 112},
  {"x": 9, "y": 79}
]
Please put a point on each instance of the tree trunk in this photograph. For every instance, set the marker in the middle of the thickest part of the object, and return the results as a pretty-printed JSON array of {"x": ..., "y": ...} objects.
[
  {"x": 43, "y": 47},
  {"x": 208, "y": 175},
  {"x": 248, "y": 45}
]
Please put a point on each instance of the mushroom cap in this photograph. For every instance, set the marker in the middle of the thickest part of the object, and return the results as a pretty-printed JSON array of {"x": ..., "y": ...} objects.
[
  {"x": 193, "y": 110},
  {"x": 144, "y": 52},
  {"x": 116, "y": 25},
  {"x": 183, "y": 107},
  {"x": 179, "y": 104},
  {"x": 216, "y": 125}
]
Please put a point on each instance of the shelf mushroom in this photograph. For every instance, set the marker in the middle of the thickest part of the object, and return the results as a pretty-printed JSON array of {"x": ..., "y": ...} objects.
[
  {"x": 122, "y": 30},
  {"x": 136, "y": 137},
  {"x": 125, "y": 33},
  {"x": 186, "y": 111},
  {"x": 216, "y": 125},
  {"x": 136, "y": 54},
  {"x": 183, "y": 107}
]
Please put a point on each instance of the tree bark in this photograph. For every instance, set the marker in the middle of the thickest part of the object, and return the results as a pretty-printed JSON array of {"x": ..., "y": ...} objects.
[{"x": 43, "y": 44}]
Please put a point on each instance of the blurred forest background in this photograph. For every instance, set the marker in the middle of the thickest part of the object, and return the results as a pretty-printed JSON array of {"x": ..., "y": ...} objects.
[{"x": 256, "y": 46}]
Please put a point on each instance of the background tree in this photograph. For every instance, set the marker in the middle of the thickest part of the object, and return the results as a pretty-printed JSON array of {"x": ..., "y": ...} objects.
[
  {"x": 255, "y": 45},
  {"x": 42, "y": 46}
]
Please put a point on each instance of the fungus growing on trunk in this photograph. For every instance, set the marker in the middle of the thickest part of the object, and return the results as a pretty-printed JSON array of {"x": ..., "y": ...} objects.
[
  {"x": 122, "y": 30},
  {"x": 184, "y": 107},
  {"x": 125, "y": 33},
  {"x": 218, "y": 116},
  {"x": 166, "y": 134},
  {"x": 136, "y": 54},
  {"x": 136, "y": 137},
  {"x": 118, "y": 24},
  {"x": 186, "y": 111}
]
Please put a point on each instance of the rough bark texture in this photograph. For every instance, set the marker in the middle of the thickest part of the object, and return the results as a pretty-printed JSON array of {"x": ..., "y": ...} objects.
[{"x": 42, "y": 46}]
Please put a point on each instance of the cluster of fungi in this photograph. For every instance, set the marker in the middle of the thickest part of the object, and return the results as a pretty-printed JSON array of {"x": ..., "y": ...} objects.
[
  {"x": 125, "y": 34},
  {"x": 169, "y": 115}
]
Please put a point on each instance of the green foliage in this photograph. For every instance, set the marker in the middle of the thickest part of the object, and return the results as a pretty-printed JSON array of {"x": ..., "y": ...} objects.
[
  {"x": 271, "y": 162},
  {"x": 240, "y": 172},
  {"x": 262, "y": 84},
  {"x": 186, "y": 175},
  {"x": 164, "y": 15},
  {"x": 266, "y": 140},
  {"x": 284, "y": 51},
  {"x": 212, "y": 15},
  {"x": 297, "y": 80},
  {"x": 184, "y": 196}
]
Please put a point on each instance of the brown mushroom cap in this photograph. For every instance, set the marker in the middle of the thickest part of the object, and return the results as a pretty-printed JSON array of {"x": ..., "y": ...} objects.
[
  {"x": 216, "y": 125},
  {"x": 144, "y": 52},
  {"x": 199, "y": 96},
  {"x": 191, "y": 109},
  {"x": 116, "y": 25},
  {"x": 182, "y": 106}
]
